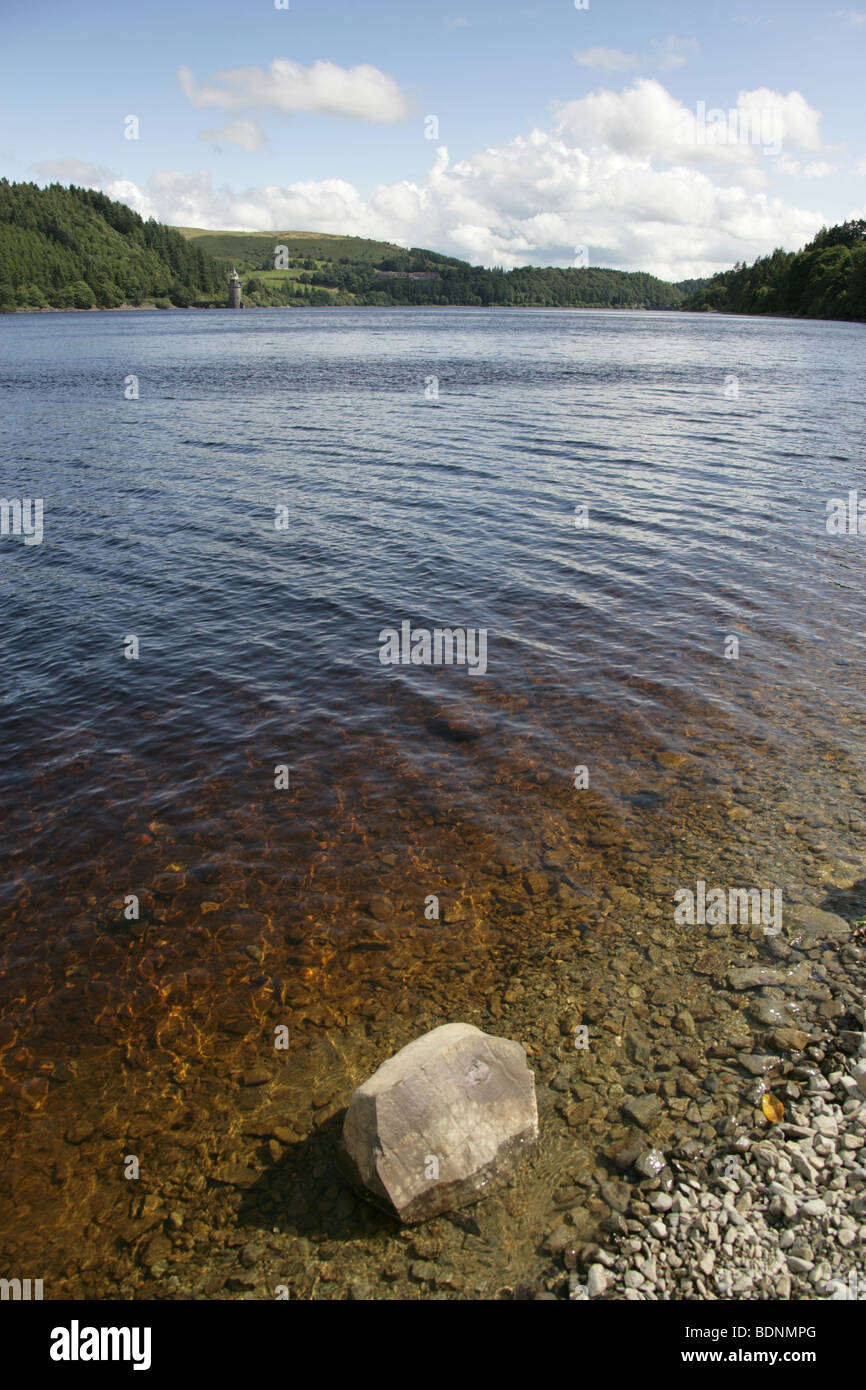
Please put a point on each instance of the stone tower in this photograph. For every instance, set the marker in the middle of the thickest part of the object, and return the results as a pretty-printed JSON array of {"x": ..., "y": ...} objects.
[{"x": 235, "y": 291}]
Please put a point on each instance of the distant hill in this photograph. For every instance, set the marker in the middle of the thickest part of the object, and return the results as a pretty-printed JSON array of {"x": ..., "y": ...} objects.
[
  {"x": 74, "y": 248},
  {"x": 324, "y": 269},
  {"x": 826, "y": 280}
]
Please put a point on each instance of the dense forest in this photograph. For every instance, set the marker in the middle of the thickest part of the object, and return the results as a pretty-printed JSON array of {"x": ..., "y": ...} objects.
[
  {"x": 417, "y": 276},
  {"x": 826, "y": 280},
  {"x": 449, "y": 281},
  {"x": 74, "y": 248}
]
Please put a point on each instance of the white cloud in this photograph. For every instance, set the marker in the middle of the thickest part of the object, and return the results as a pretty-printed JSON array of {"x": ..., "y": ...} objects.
[
  {"x": 646, "y": 120},
  {"x": 363, "y": 93},
  {"x": 611, "y": 59},
  {"x": 244, "y": 132},
  {"x": 69, "y": 170},
  {"x": 663, "y": 53},
  {"x": 800, "y": 122},
  {"x": 857, "y": 18}
]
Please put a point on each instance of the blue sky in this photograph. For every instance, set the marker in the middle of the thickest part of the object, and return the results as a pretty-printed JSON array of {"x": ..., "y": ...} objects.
[{"x": 671, "y": 137}]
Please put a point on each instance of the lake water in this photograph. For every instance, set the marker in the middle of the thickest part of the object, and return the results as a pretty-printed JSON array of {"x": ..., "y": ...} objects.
[{"x": 426, "y": 466}]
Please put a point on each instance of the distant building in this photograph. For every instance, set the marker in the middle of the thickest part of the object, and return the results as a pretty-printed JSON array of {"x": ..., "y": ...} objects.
[{"x": 235, "y": 301}]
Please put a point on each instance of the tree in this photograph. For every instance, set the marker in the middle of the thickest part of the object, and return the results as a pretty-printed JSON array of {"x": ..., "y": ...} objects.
[{"x": 82, "y": 295}]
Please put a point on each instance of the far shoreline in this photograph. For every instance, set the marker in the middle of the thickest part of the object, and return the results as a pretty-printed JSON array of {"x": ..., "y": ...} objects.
[{"x": 517, "y": 308}]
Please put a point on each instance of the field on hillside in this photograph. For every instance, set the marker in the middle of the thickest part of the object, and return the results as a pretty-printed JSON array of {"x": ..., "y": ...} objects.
[{"x": 252, "y": 250}]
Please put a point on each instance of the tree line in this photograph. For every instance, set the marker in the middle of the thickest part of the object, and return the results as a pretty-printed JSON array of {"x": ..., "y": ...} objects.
[
  {"x": 75, "y": 248},
  {"x": 826, "y": 280},
  {"x": 458, "y": 283}
]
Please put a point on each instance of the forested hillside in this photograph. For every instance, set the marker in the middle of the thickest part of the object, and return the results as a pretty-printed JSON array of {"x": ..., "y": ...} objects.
[
  {"x": 304, "y": 268},
  {"x": 455, "y": 282},
  {"x": 74, "y": 248},
  {"x": 826, "y": 280}
]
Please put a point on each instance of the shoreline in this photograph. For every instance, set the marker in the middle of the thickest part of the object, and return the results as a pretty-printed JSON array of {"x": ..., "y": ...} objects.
[
  {"x": 218, "y": 308},
  {"x": 517, "y": 308}
]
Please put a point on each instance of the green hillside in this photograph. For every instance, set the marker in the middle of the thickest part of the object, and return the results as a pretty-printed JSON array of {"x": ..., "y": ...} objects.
[
  {"x": 826, "y": 280},
  {"x": 353, "y": 270},
  {"x": 255, "y": 250},
  {"x": 73, "y": 248}
]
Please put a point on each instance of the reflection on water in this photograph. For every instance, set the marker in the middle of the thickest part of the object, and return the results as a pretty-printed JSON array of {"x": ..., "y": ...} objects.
[{"x": 258, "y": 906}]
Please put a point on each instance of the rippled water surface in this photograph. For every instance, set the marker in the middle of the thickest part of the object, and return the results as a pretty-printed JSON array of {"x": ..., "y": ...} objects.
[{"x": 430, "y": 463}]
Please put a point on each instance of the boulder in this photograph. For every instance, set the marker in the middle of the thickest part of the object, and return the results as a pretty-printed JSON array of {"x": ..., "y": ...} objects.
[{"x": 430, "y": 1129}]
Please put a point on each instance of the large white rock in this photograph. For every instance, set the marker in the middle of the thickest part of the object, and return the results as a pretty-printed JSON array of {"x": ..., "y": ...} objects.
[{"x": 437, "y": 1121}]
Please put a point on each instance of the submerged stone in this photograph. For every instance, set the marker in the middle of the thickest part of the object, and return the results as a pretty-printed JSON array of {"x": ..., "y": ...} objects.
[
  {"x": 428, "y": 1131},
  {"x": 643, "y": 1109},
  {"x": 815, "y": 924}
]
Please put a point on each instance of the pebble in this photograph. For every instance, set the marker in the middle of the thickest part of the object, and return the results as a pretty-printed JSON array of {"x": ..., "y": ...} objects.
[
  {"x": 661, "y": 1201},
  {"x": 643, "y": 1109},
  {"x": 650, "y": 1163}
]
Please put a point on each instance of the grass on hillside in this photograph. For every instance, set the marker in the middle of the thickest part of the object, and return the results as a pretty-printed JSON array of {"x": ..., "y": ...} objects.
[{"x": 249, "y": 247}]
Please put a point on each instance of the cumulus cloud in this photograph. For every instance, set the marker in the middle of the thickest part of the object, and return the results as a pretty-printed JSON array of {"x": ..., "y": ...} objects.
[
  {"x": 645, "y": 120},
  {"x": 244, "y": 132},
  {"x": 663, "y": 53},
  {"x": 800, "y": 122},
  {"x": 363, "y": 93}
]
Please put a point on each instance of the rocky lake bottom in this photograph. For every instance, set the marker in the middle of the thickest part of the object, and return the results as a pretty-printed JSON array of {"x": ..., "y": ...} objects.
[{"x": 650, "y": 1119}]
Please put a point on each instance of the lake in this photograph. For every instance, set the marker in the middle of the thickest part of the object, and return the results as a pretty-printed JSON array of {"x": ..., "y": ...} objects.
[{"x": 223, "y": 813}]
